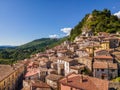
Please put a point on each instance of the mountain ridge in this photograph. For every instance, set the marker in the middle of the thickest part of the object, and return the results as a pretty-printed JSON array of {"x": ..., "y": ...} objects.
[
  {"x": 6, "y": 46},
  {"x": 10, "y": 55}
]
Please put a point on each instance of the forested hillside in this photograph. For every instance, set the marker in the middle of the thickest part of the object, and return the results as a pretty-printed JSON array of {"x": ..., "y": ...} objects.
[
  {"x": 97, "y": 21},
  {"x": 10, "y": 55}
]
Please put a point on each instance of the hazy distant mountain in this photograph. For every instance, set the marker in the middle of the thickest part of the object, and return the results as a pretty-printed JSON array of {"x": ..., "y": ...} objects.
[{"x": 7, "y": 46}]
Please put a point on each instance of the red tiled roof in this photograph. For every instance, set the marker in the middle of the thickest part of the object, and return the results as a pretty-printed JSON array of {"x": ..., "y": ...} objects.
[
  {"x": 101, "y": 50},
  {"x": 104, "y": 65},
  {"x": 67, "y": 59},
  {"x": 113, "y": 66},
  {"x": 5, "y": 70},
  {"x": 100, "y": 65},
  {"x": 77, "y": 67},
  {"x": 84, "y": 82},
  {"x": 103, "y": 57},
  {"x": 40, "y": 84},
  {"x": 53, "y": 77},
  {"x": 62, "y": 51},
  {"x": 32, "y": 72}
]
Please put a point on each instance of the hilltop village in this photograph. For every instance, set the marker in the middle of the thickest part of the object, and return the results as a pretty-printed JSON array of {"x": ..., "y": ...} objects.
[{"x": 88, "y": 63}]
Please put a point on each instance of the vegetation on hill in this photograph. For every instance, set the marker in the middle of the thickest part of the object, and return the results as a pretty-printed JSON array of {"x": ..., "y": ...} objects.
[
  {"x": 10, "y": 55},
  {"x": 97, "y": 21},
  {"x": 2, "y": 47},
  {"x": 116, "y": 79}
]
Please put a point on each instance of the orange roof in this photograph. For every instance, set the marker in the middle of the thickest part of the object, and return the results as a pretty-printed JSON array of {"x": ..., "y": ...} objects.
[
  {"x": 104, "y": 65},
  {"x": 53, "y": 77},
  {"x": 32, "y": 72},
  {"x": 83, "y": 82},
  {"x": 77, "y": 67},
  {"x": 62, "y": 51},
  {"x": 113, "y": 66},
  {"x": 100, "y": 65},
  {"x": 5, "y": 70},
  {"x": 101, "y": 50},
  {"x": 40, "y": 84},
  {"x": 30, "y": 64},
  {"x": 103, "y": 57}
]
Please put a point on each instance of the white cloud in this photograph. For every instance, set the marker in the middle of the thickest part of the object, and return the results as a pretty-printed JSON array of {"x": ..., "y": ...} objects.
[
  {"x": 53, "y": 36},
  {"x": 66, "y": 30},
  {"x": 117, "y": 14}
]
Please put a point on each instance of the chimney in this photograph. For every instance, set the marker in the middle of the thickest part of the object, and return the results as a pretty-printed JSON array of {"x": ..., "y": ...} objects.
[
  {"x": 81, "y": 78},
  {"x": 67, "y": 79},
  {"x": 13, "y": 66}
]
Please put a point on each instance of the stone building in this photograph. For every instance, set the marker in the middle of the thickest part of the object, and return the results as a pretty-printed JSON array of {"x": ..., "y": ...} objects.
[
  {"x": 64, "y": 64},
  {"x": 52, "y": 80},
  {"x": 35, "y": 85},
  {"x": 82, "y": 53},
  {"x": 61, "y": 53},
  {"x": 43, "y": 73},
  {"x": 32, "y": 74},
  {"x": 103, "y": 58},
  {"x": 113, "y": 42},
  {"x": 39, "y": 85},
  {"x": 77, "y": 69},
  {"x": 87, "y": 61},
  {"x": 104, "y": 70},
  {"x": 101, "y": 52}
]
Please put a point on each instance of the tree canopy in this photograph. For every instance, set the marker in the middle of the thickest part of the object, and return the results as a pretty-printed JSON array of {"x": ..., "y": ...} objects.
[{"x": 97, "y": 21}]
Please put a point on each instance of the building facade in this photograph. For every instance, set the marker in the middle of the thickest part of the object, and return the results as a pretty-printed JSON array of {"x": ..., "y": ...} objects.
[{"x": 11, "y": 77}]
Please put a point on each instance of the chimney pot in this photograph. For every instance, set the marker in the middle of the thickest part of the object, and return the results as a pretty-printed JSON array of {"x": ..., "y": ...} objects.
[{"x": 81, "y": 79}]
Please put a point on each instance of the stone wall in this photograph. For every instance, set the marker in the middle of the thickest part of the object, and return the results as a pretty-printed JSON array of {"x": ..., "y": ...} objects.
[{"x": 114, "y": 86}]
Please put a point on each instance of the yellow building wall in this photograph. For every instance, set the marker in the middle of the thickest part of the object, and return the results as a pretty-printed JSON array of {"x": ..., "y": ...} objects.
[
  {"x": 11, "y": 79},
  {"x": 89, "y": 49},
  {"x": 105, "y": 45}
]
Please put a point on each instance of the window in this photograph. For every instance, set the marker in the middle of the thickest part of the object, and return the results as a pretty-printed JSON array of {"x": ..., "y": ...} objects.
[
  {"x": 8, "y": 88},
  {"x": 12, "y": 76},
  {"x": 102, "y": 69},
  {"x": 71, "y": 88},
  {"x": 112, "y": 70},
  {"x": 9, "y": 79},
  {"x": 4, "y": 83}
]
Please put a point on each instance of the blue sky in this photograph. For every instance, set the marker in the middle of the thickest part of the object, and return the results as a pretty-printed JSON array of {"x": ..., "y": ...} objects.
[{"x": 22, "y": 21}]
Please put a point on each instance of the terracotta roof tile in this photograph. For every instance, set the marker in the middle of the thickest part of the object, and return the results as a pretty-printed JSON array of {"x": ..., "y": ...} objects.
[
  {"x": 5, "y": 70},
  {"x": 32, "y": 72},
  {"x": 103, "y": 57},
  {"x": 84, "y": 82},
  {"x": 100, "y": 65},
  {"x": 40, "y": 84},
  {"x": 101, "y": 50},
  {"x": 104, "y": 65},
  {"x": 53, "y": 77},
  {"x": 113, "y": 66},
  {"x": 77, "y": 67},
  {"x": 66, "y": 59}
]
